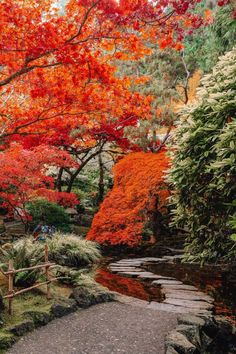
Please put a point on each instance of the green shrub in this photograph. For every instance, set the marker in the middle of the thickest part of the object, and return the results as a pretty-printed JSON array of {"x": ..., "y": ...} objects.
[
  {"x": 24, "y": 254},
  {"x": 204, "y": 165},
  {"x": 64, "y": 249},
  {"x": 50, "y": 214},
  {"x": 73, "y": 251}
]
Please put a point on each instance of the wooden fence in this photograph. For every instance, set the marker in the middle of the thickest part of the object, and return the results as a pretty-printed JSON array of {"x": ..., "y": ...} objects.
[{"x": 11, "y": 273}]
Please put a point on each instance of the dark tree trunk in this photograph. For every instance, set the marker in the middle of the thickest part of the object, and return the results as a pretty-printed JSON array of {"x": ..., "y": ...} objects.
[
  {"x": 156, "y": 222},
  {"x": 101, "y": 180},
  {"x": 58, "y": 183}
]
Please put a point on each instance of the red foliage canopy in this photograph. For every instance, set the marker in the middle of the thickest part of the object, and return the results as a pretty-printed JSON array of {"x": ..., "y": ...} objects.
[{"x": 138, "y": 181}]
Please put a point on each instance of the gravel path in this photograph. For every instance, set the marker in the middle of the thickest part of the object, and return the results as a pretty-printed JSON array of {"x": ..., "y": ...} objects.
[{"x": 109, "y": 328}]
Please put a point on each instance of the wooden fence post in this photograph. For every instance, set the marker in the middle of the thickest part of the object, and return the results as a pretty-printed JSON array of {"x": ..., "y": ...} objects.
[
  {"x": 47, "y": 272},
  {"x": 10, "y": 285}
]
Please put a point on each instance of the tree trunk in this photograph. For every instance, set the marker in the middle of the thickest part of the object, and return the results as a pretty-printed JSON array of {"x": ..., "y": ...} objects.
[{"x": 101, "y": 180}]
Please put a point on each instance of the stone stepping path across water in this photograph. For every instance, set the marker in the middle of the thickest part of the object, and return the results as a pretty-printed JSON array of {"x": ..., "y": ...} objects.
[{"x": 178, "y": 297}]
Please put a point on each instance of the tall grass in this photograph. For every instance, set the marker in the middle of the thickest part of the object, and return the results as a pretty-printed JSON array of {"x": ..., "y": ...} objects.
[{"x": 73, "y": 251}]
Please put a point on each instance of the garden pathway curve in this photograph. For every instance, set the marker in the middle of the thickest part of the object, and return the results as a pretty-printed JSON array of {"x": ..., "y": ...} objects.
[{"x": 109, "y": 328}]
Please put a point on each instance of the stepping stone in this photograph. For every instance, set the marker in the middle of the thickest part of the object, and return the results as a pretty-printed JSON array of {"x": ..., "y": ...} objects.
[
  {"x": 148, "y": 275},
  {"x": 153, "y": 259},
  {"x": 188, "y": 295},
  {"x": 191, "y": 304},
  {"x": 166, "y": 282},
  {"x": 121, "y": 269},
  {"x": 193, "y": 297},
  {"x": 129, "y": 274},
  {"x": 176, "y": 309},
  {"x": 162, "y": 277},
  {"x": 179, "y": 287}
]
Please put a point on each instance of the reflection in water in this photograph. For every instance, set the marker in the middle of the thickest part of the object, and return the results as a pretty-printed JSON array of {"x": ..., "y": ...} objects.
[
  {"x": 128, "y": 286},
  {"x": 208, "y": 279}
]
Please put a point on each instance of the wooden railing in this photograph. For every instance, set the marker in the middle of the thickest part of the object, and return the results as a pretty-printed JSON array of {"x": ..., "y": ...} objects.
[{"x": 11, "y": 273}]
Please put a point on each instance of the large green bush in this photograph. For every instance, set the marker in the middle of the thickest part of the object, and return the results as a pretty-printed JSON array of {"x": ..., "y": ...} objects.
[
  {"x": 203, "y": 174},
  {"x": 50, "y": 214}
]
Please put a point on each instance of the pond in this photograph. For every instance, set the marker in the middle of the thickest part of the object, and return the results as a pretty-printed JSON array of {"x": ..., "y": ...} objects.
[{"x": 209, "y": 279}]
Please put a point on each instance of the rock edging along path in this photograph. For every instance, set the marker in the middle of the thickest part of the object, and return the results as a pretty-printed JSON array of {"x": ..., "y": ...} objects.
[
  {"x": 108, "y": 328},
  {"x": 178, "y": 297}
]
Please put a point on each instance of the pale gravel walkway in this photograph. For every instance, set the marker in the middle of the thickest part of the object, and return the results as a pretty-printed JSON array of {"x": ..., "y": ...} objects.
[{"x": 110, "y": 328}]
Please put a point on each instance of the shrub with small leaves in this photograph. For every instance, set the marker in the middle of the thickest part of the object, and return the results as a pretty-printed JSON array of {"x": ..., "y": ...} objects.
[{"x": 203, "y": 173}]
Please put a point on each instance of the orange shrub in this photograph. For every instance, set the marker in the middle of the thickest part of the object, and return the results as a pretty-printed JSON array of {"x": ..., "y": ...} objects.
[{"x": 138, "y": 184}]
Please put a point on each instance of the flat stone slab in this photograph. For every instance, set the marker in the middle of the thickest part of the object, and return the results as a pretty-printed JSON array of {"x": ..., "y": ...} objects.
[
  {"x": 160, "y": 306},
  {"x": 130, "y": 274},
  {"x": 125, "y": 269},
  {"x": 148, "y": 275},
  {"x": 179, "y": 287},
  {"x": 164, "y": 277},
  {"x": 190, "y": 295},
  {"x": 188, "y": 303},
  {"x": 166, "y": 282}
]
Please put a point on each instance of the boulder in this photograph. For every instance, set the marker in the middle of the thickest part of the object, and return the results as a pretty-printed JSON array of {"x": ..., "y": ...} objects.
[
  {"x": 64, "y": 307},
  {"x": 85, "y": 297},
  {"x": 191, "y": 320},
  {"x": 180, "y": 343},
  {"x": 40, "y": 318},
  {"x": 191, "y": 332},
  {"x": 22, "y": 328}
]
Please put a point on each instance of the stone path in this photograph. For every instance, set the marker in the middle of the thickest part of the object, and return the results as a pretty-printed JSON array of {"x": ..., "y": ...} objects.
[
  {"x": 178, "y": 297},
  {"x": 110, "y": 328}
]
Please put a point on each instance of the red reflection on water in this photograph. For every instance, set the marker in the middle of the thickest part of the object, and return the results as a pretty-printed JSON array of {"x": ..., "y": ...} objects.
[{"x": 125, "y": 286}]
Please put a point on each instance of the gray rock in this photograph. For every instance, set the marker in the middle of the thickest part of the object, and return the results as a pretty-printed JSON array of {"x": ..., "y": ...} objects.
[
  {"x": 167, "y": 282},
  {"x": 148, "y": 275},
  {"x": 191, "y": 332},
  {"x": 193, "y": 296},
  {"x": 64, "y": 307},
  {"x": 21, "y": 328},
  {"x": 130, "y": 274},
  {"x": 179, "y": 287},
  {"x": 171, "y": 350},
  {"x": 86, "y": 297},
  {"x": 191, "y": 304},
  {"x": 191, "y": 320},
  {"x": 40, "y": 318},
  {"x": 123, "y": 269},
  {"x": 180, "y": 343}
]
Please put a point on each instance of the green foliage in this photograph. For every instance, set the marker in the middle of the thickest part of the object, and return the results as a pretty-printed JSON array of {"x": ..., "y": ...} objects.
[
  {"x": 24, "y": 254},
  {"x": 64, "y": 249},
  {"x": 204, "y": 46},
  {"x": 50, "y": 214},
  {"x": 73, "y": 251},
  {"x": 204, "y": 164}
]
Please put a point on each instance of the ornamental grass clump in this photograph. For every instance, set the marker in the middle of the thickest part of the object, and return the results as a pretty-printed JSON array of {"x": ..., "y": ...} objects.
[
  {"x": 73, "y": 251},
  {"x": 203, "y": 172},
  {"x": 24, "y": 254}
]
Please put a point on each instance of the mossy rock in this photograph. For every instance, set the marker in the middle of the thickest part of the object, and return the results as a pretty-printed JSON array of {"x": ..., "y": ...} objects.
[
  {"x": 63, "y": 307},
  {"x": 40, "y": 318},
  {"x": 6, "y": 341},
  {"x": 22, "y": 328},
  {"x": 86, "y": 297}
]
